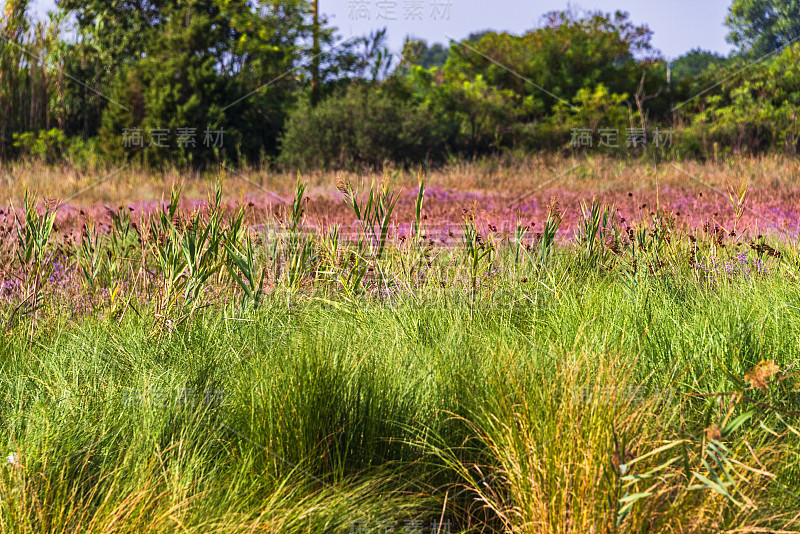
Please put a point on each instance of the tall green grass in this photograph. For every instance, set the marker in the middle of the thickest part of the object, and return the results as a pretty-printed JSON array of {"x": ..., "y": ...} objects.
[
  {"x": 227, "y": 380},
  {"x": 582, "y": 403}
]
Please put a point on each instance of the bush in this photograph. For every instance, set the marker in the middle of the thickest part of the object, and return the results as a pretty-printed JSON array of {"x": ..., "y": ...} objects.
[
  {"x": 44, "y": 144},
  {"x": 755, "y": 113},
  {"x": 54, "y": 145},
  {"x": 366, "y": 127}
]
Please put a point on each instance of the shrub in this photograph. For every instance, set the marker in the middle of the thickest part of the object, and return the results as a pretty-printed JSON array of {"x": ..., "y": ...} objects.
[
  {"x": 365, "y": 126},
  {"x": 45, "y": 144},
  {"x": 53, "y": 145}
]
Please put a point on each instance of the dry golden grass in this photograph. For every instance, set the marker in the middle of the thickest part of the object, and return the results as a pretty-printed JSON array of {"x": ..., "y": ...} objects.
[
  {"x": 585, "y": 173},
  {"x": 561, "y": 452}
]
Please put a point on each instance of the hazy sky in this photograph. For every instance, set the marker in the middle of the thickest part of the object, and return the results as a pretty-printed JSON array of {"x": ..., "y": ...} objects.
[{"x": 678, "y": 25}]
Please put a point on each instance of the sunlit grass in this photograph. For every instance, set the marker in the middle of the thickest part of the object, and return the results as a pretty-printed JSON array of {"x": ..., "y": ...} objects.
[{"x": 194, "y": 374}]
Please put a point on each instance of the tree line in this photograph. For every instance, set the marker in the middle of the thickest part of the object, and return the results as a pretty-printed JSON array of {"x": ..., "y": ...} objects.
[{"x": 155, "y": 82}]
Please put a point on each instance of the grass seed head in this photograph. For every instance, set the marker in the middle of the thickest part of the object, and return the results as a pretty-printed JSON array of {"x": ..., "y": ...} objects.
[
  {"x": 714, "y": 433},
  {"x": 758, "y": 376}
]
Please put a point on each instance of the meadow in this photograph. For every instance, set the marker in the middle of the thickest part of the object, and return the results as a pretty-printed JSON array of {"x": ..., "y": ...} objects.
[{"x": 549, "y": 345}]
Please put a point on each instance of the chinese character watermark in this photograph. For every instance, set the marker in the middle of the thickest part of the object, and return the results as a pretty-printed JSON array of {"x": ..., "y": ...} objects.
[
  {"x": 162, "y": 398},
  {"x": 359, "y": 9},
  {"x": 636, "y": 137},
  {"x": 185, "y": 137},
  {"x": 662, "y": 138},
  {"x": 413, "y": 9},
  {"x": 216, "y": 135},
  {"x": 581, "y": 137},
  {"x": 609, "y": 138},
  {"x": 616, "y": 396},
  {"x": 386, "y": 9},
  {"x": 390, "y": 9},
  {"x": 132, "y": 137},
  {"x": 410, "y": 526},
  {"x": 158, "y": 137},
  {"x": 440, "y": 9}
]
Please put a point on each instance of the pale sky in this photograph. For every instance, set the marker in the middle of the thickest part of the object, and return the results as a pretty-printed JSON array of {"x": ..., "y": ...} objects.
[{"x": 678, "y": 25}]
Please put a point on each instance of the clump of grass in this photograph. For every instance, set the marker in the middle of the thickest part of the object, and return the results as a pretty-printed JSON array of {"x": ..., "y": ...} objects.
[
  {"x": 477, "y": 250},
  {"x": 548, "y": 236},
  {"x": 598, "y": 233},
  {"x": 373, "y": 215},
  {"x": 201, "y": 246},
  {"x": 33, "y": 237},
  {"x": 300, "y": 247},
  {"x": 241, "y": 265},
  {"x": 166, "y": 246}
]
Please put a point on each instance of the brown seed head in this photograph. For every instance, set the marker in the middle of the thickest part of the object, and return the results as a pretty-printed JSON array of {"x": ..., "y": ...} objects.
[
  {"x": 758, "y": 375},
  {"x": 713, "y": 433}
]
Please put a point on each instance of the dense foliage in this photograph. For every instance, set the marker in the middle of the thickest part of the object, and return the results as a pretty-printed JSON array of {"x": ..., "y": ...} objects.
[
  {"x": 762, "y": 26},
  {"x": 195, "y": 82}
]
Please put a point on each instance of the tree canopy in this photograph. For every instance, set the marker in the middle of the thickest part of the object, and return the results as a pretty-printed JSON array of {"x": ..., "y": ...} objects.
[
  {"x": 152, "y": 81},
  {"x": 762, "y": 26}
]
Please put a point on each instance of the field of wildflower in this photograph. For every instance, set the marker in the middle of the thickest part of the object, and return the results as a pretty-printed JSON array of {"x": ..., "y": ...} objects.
[{"x": 588, "y": 346}]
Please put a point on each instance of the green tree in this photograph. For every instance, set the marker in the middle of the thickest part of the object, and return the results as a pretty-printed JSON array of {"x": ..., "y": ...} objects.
[
  {"x": 487, "y": 116},
  {"x": 570, "y": 51},
  {"x": 232, "y": 65},
  {"x": 762, "y": 26},
  {"x": 30, "y": 79},
  {"x": 757, "y": 112},
  {"x": 696, "y": 62},
  {"x": 505, "y": 89},
  {"x": 417, "y": 52},
  {"x": 174, "y": 86},
  {"x": 111, "y": 37}
]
